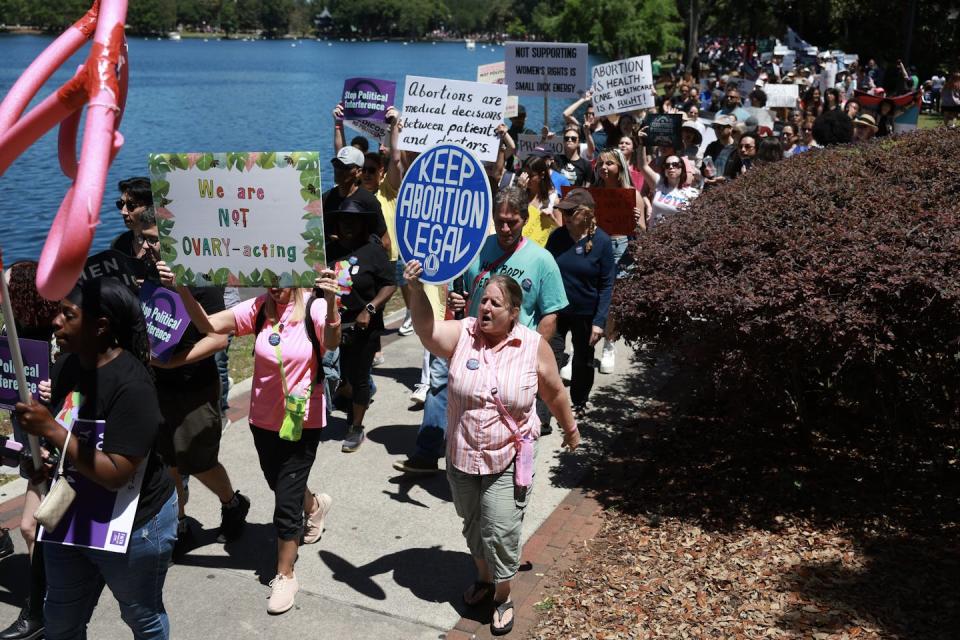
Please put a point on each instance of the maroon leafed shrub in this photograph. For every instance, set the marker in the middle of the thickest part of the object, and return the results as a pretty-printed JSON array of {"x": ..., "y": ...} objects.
[{"x": 827, "y": 282}]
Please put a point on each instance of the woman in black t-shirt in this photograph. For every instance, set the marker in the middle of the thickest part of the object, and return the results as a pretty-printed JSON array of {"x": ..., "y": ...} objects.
[
  {"x": 105, "y": 378},
  {"x": 366, "y": 278}
]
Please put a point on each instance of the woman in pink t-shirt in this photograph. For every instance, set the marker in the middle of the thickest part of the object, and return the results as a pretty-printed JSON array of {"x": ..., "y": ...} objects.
[
  {"x": 286, "y": 407},
  {"x": 497, "y": 366}
]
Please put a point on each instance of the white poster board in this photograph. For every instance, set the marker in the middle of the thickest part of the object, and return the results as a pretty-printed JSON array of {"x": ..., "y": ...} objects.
[
  {"x": 529, "y": 141},
  {"x": 379, "y": 131},
  {"x": 513, "y": 107},
  {"x": 437, "y": 110},
  {"x": 623, "y": 85},
  {"x": 493, "y": 73},
  {"x": 249, "y": 219},
  {"x": 546, "y": 68},
  {"x": 782, "y": 95}
]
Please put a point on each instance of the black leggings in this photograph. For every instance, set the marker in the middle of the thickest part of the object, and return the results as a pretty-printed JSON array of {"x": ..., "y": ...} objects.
[
  {"x": 286, "y": 466},
  {"x": 581, "y": 380},
  {"x": 356, "y": 358}
]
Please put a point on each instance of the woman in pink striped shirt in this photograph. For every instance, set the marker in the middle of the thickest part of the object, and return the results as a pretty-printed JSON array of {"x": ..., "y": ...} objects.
[{"x": 497, "y": 366}]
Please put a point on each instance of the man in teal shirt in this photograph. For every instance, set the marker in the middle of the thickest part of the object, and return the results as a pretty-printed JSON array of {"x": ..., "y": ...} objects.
[{"x": 508, "y": 253}]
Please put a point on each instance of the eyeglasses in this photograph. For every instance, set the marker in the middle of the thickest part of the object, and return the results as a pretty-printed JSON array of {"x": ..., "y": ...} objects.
[
  {"x": 570, "y": 138},
  {"x": 370, "y": 170},
  {"x": 128, "y": 204},
  {"x": 673, "y": 165}
]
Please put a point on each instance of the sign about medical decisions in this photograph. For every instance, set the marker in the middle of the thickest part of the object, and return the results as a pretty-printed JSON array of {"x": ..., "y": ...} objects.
[
  {"x": 242, "y": 219},
  {"x": 443, "y": 212},
  {"x": 623, "y": 85},
  {"x": 546, "y": 68},
  {"x": 782, "y": 95},
  {"x": 437, "y": 110}
]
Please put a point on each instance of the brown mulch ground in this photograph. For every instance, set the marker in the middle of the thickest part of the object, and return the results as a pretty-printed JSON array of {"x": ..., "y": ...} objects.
[{"x": 719, "y": 530}]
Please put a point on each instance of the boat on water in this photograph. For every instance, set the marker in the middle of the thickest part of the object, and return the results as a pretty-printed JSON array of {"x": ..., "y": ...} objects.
[
  {"x": 173, "y": 35},
  {"x": 471, "y": 44}
]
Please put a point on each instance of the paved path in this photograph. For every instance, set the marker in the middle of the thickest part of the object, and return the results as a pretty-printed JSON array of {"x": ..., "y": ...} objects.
[{"x": 392, "y": 562}]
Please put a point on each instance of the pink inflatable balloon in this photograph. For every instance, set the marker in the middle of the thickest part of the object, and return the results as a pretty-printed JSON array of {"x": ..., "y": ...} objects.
[{"x": 100, "y": 84}]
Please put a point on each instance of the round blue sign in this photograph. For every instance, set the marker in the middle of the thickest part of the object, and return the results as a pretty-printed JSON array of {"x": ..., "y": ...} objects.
[{"x": 443, "y": 211}]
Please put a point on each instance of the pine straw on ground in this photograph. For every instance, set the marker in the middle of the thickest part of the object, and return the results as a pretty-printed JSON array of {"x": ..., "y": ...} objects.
[{"x": 717, "y": 530}]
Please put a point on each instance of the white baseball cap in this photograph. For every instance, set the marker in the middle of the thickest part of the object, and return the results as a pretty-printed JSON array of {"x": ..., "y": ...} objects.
[{"x": 349, "y": 156}]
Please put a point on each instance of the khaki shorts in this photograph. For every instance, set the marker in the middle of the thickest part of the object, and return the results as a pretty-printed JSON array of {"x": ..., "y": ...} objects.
[
  {"x": 492, "y": 508},
  {"x": 189, "y": 437}
]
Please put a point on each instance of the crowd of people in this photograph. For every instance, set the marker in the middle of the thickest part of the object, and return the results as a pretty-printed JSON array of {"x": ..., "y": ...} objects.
[{"x": 494, "y": 357}]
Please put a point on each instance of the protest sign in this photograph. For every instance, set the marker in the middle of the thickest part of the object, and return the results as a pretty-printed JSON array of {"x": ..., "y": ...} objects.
[
  {"x": 166, "y": 317},
  {"x": 781, "y": 50},
  {"x": 443, "y": 211},
  {"x": 114, "y": 264},
  {"x": 98, "y": 518},
  {"x": 782, "y": 95},
  {"x": 376, "y": 130},
  {"x": 613, "y": 209},
  {"x": 623, "y": 85},
  {"x": 745, "y": 86},
  {"x": 663, "y": 129},
  {"x": 493, "y": 73},
  {"x": 36, "y": 368},
  {"x": 240, "y": 219},
  {"x": 513, "y": 107},
  {"x": 764, "y": 116},
  {"x": 527, "y": 142},
  {"x": 789, "y": 62},
  {"x": 907, "y": 121},
  {"x": 546, "y": 68},
  {"x": 437, "y": 110},
  {"x": 367, "y": 98}
]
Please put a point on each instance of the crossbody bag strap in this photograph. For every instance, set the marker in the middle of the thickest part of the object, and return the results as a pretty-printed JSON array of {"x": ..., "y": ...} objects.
[
  {"x": 496, "y": 263},
  {"x": 69, "y": 418}
]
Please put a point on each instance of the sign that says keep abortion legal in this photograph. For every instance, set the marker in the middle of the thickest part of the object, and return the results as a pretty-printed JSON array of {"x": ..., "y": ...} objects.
[
  {"x": 623, "y": 85},
  {"x": 437, "y": 110},
  {"x": 546, "y": 68},
  {"x": 443, "y": 212}
]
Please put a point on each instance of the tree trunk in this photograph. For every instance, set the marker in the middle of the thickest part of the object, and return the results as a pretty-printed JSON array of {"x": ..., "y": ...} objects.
[{"x": 694, "y": 31}]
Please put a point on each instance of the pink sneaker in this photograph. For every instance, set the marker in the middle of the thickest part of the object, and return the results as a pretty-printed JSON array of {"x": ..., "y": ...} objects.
[
  {"x": 282, "y": 592},
  {"x": 313, "y": 528}
]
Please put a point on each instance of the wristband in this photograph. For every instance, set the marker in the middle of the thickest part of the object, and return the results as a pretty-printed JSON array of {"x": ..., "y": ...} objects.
[{"x": 334, "y": 325}]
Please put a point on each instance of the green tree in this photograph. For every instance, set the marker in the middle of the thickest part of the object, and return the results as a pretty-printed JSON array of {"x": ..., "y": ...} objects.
[
  {"x": 152, "y": 16},
  {"x": 13, "y": 12},
  {"x": 248, "y": 15},
  {"x": 614, "y": 28},
  {"x": 275, "y": 17}
]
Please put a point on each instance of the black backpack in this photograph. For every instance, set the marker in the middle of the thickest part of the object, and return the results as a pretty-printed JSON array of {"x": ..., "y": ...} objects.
[{"x": 311, "y": 333}]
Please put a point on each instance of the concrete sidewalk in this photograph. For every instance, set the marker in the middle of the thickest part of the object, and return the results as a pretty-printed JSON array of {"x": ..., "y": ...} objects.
[{"x": 392, "y": 562}]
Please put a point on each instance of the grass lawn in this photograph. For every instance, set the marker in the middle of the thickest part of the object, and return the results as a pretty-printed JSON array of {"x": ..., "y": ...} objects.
[{"x": 929, "y": 120}]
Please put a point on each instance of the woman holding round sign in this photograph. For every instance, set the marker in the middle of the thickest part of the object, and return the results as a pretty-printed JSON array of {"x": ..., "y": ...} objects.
[
  {"x": 497, "y": 366},
  {"x": 287, "y": 406}
]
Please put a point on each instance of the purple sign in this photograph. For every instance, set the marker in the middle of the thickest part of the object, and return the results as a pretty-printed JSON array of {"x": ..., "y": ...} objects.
[
  {"x": 367, "y": 98},
  {"x": 98, "y": 518},
  {"x": 166, "y": 317},
  {"x": 36, "y": 367}
]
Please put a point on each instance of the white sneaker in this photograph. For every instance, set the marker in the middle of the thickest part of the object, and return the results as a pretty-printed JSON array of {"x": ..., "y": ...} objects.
[
  {"x": 566, "y": 372},
  {"x": 419, "y": 394},
  {"x": 313, "y": 527},
  {"x": 608, "y": 357},
  {"x": 282, "y": 592},
  {"x": 407, "y": 327}
]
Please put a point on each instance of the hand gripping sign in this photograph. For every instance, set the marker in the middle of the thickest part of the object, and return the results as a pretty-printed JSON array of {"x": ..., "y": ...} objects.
[
  {"x": 100, "y": 83},
  {"x": 443, "y": 211}
]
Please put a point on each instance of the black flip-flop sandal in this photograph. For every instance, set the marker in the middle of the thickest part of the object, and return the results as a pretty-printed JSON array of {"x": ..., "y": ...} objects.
[
  {"x": 479, "y": 586},
  {"x": 501, "y": 610}
]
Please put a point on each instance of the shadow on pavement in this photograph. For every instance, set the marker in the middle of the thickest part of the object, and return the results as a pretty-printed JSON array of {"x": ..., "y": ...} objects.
[
  {"x": 254, "y": 551},
  {"x": 430, "y": 573}
]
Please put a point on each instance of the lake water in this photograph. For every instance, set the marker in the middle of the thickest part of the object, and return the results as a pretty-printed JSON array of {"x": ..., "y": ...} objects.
[{"x": 196, "y": 95}]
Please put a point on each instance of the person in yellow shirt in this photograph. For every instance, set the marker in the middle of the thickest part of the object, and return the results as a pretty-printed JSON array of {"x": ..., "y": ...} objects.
[{"x": 535, "y": 179}]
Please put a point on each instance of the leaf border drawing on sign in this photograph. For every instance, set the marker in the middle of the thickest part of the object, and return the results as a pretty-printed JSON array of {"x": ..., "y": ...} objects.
[
  {"x": 623, "y": 85},
  {"x": 250, "y": 219},
  {"x": 557, "y": 69},
  {"x": 438, "y": 110}
]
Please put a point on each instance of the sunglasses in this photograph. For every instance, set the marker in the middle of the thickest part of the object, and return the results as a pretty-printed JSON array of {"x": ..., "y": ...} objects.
[
  {"x": 672, "y": 165},
  {"x": 128, "y": 204},
  {"x": 570, "y": 138}
]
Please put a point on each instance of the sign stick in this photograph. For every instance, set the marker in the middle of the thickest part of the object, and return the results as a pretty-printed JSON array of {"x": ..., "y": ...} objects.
[
  {"x": 546, "y": 106},
  {"x": 17, "y": 360}
]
